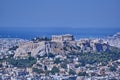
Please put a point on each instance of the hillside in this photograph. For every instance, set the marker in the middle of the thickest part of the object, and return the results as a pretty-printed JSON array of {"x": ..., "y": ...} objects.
[
  {"x": 44, "y": 47},
  {"x": 114, "y": 40}
]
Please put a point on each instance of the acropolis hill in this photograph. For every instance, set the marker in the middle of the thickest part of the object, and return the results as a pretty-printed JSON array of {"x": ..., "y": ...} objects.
[{"x": 61, "y": 44}]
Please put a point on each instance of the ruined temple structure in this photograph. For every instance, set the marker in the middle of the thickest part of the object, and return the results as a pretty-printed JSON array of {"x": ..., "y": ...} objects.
[{"x": 66, "y": 37}]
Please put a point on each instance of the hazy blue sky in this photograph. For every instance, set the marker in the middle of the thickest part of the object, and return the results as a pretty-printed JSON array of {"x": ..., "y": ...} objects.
[{"x": 59, "y": 13}]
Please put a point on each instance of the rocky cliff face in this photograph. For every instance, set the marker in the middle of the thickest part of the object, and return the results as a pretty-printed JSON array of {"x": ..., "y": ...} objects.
[
  {"x": 44, "y": 47},
  {"x": 114, "y": 40}
]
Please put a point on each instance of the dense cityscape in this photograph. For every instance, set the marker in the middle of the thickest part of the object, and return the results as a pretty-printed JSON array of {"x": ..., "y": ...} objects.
[
  {"x": 59, "y": 39},
  {"x": 60, "y": 58}
]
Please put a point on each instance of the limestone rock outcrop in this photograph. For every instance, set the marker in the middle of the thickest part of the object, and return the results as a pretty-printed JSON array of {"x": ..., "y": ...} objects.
[
  {"x": 114, "y": 40},
  {"x": 45, "y": 47}
]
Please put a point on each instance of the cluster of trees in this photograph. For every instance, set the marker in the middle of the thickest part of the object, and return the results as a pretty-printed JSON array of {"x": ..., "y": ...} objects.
[
  {"x": 22, "y": 63},
  {"x": 51, "y": 55},
  {"x": 82, "y": 74},
  {"x": 72, "y": 72},
  {"x": 37, "y": 39},
  {"x": 13, "y": 48},
  {"x": 95, "y": 57},
  {"x": 63, "y": 65},
  {"x": 112, "y": 68},
  {"x": 2, "y": 60},
  {"x": 38, "y": 71},
  {"x": 57, "y": 61},
  {"x": 53, "y": 71}
]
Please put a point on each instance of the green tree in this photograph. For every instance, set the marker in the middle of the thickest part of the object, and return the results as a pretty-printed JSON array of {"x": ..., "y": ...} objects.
[
  {"x": 57, "y": 61},
  {"x": 112, "y": 68},
  {"x": 13, "y": 48},
  {"x": 51, "y": 55},
  {"x": 71, "y": 72},
  {"x": 55, "y": 70},
  {"x": 63, "y": 65},
  {"x": 37, "y": 39},
  {"x": 22, "y": 63},
  {"x": 38, "y": 71},
  {"x": 77, "y": 65},
  {"x": 82, "y": 74}
]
